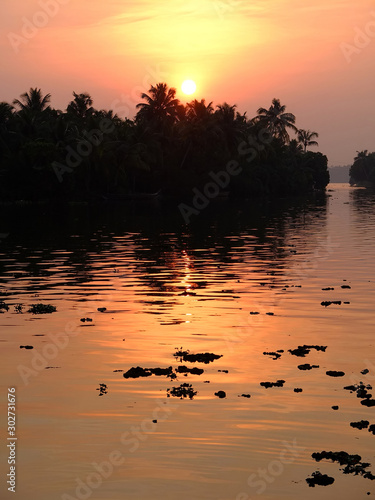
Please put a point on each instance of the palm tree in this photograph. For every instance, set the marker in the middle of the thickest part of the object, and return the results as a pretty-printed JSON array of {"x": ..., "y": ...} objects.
[
  {"x": 81, "y": 106},
  {"x": 33, "y": 101},
  {"x": 6, "y": 112},
  {"x": 199, "y": 110},
  {"x": 305, "y": 137},
  {"x": 276, "y": 120},
  {"x": 232, "y": 123},
  {"x": 161, "y": 104}
]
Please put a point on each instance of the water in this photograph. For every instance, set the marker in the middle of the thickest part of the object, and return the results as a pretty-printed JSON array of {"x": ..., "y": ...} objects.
[{"x": 164, "y": 286}]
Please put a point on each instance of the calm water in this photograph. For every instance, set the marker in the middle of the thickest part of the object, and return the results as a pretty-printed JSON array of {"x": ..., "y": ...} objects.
[{"x": 166, "y": 285}]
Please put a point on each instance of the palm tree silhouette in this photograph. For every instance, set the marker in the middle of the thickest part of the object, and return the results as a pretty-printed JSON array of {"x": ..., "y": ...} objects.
[
  {"x": 276, "y": 120},
  {"x": 199, "y": 110},
  {"x": 33, "y": 101},
  {"x": 161, "y": 104},
  {"x": 305, "y": 137},
  {"x": 81, "y": 106}
]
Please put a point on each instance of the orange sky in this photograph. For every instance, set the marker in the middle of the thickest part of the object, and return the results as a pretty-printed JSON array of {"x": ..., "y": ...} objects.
[{"x": 240, "y": 53}]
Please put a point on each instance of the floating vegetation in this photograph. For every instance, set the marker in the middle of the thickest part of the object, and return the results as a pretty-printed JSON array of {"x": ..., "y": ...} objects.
[
  {"x": 297, "y": 389},
  {"x": 361, "y": 390},
  {"x": 182, "y": 391},
  {"x": 327, "y": 303},
  {"x": 334, "y": 373},
  {"x": 18, "y": 308},
  {"x": 302, "y": 350},
  {"x": 278, "y": 383},
  {"x": 275, "y": 354},
  {"x": 223, "y": 371},
  {"x": 307, "y": 366},
  {"x": 363, "y": 424},
  {"x": 186, "y": 370},
  {"x": 136, "y": 372},
  {"x": 42, "y": 309},
  {"x": 316, "y": 347},
  {"x": 3, "y": 307},
  {"x": 319, "y": 479},
  {"x": 368, "y": 402},
  {"x": 102, "y": 389},
  {"x": 204, "y": 357},
  {"x": 353, "y": 464},
  {"x": 221, "y": 394}
]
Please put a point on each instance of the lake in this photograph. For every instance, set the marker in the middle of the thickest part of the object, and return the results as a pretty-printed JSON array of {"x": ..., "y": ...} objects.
[{"x": 168, "y": 287}]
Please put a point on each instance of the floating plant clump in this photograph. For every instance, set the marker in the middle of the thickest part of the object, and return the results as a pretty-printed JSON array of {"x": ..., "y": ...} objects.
[
  {"x": 203, "y": 357},
  {"x": 182, "y": 391},
  {"x": 319, "y": 479},
  {"x": 41, "y": 309}
]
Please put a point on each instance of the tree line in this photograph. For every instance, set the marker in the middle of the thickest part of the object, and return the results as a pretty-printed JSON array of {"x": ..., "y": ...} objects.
[
  {"x": 362, "y": 172},
  {"x": 83, "y": 153}
]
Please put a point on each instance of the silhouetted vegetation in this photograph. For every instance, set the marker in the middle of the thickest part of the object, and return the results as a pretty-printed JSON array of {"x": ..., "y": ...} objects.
[
  {"x": 362, "y": 172},
  {"x": 87, "y": 154}
]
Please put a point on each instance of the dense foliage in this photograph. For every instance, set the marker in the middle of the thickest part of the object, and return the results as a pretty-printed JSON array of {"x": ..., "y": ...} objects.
[
  {"x": 362, "y": 172},
  {"x": 84, "y": 153}
]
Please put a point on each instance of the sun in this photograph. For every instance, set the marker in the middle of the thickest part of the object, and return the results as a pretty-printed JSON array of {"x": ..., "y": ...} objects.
[{"x": 188, "y": 87}]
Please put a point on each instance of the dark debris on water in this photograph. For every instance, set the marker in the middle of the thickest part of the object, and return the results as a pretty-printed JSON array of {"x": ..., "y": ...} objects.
[
  {"x": 41, "y": 309},
  {"x": 183, "y": 391},
  {"x": 193, "y": 371},
  {"x": 327, "y": 303},
  {"x": 307, "y": 366},
  {"x": 275, "y": 355},
  {"x": 102, "y": 389},
  {"x": 352, "y": 463},
  {"x": 136, "y": 372},
  {"x": 278, "y": 383},
  {"x": 319, "y": 479},
  {"x": 362, "y": 424},
  {"x": 203, "y": 357},
  {"x": 220, "y": 394},
  {"x": 302, "y": 350},
  {"x": 334, "y": 373}
]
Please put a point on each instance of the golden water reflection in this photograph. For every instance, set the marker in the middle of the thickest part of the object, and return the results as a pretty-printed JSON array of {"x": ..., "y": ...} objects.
[{"x": 164, "y": 289}]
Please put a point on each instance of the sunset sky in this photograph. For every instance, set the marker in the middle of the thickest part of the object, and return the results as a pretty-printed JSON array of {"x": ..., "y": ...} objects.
[{"x": 311, "y": 55}]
